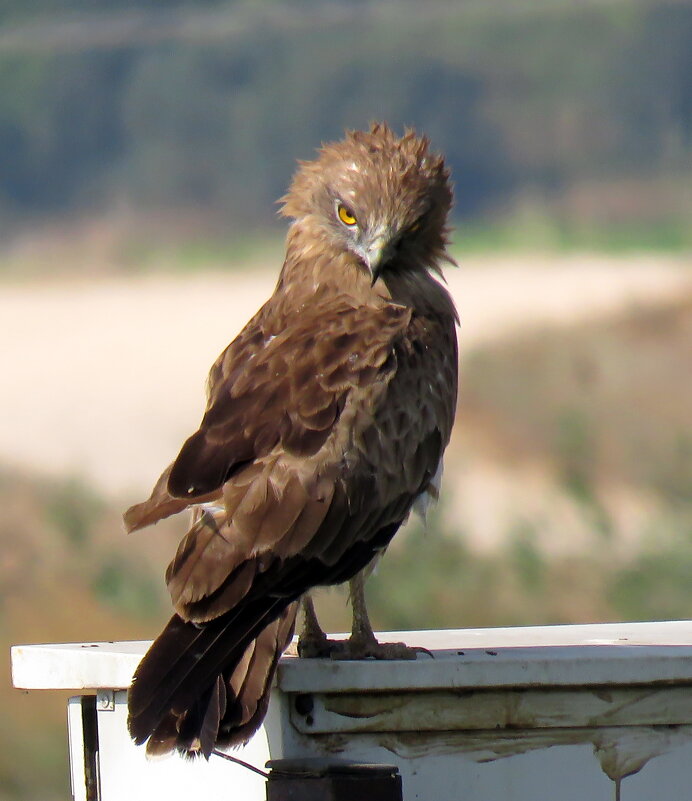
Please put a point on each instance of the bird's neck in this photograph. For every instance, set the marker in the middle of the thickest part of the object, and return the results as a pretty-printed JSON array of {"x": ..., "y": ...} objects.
[
  {"x": 312, "y": 264},
  {"x": 419, "y": 290}
]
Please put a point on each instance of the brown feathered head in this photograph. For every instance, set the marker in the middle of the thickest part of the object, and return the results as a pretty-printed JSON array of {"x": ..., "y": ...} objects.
[{"x": 382, "y": 198}]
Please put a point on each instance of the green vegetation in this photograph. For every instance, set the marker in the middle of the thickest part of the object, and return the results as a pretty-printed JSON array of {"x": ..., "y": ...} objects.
[
  {"x": 566, "y": 125},
  {"x": 543, "y": 232},
  {"x": 600, "y": 402},
  {"x": 126, "y": 588},
  {"x": 66, "y": 574},
  {"x": 73, "y": 509},
  {"x": 655, "y": 584},
  {"x": 435, "y": 580}
]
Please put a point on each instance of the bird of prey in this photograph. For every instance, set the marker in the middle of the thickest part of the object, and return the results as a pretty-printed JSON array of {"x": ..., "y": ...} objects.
[{"x": 326, "y": 422}]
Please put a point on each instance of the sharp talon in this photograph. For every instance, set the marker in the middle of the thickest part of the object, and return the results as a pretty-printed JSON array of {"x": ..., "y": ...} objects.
[{"x": 320, "y": 648}]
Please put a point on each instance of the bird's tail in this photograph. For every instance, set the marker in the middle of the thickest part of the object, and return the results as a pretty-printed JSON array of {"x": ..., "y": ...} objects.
[{"x": 200, "y": 686}]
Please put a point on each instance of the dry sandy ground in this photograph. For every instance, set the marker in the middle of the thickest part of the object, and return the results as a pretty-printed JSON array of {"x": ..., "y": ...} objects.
[{"x": 105, "y": 379}]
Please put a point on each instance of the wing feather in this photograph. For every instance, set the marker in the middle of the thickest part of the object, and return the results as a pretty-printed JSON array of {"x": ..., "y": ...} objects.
[
  {"x": 313, "y": 456},
  {"x": 290, "y": 394}
]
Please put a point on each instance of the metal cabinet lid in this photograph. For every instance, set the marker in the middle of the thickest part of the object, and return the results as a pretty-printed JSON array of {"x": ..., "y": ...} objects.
[{"x": 556, "y": 656}]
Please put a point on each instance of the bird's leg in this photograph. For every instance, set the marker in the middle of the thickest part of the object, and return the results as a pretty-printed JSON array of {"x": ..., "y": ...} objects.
[
  {"x": 362, "y": 634},
  {"x": 313, "y": 641},
  {"x": 362, "y": 644}
]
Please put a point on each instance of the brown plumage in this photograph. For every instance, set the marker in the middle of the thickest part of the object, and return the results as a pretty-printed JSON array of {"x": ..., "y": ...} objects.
[{"x": 326, "y": 420}]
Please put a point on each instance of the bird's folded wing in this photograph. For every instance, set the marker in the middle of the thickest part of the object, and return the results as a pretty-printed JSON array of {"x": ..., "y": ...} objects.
[{"x": 281, "y": 386}]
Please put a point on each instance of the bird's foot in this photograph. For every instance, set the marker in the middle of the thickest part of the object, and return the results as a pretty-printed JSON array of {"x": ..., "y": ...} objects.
[
  {"x": 356, "y": 648},
  {"x": 367, "y": 647},
  {"x": 315, "y": 645}
]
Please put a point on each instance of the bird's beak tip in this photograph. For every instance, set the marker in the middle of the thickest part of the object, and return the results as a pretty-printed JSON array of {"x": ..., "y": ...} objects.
[
  {"x": 375, "y": 269},
  {"x": 376, "y": 256}
]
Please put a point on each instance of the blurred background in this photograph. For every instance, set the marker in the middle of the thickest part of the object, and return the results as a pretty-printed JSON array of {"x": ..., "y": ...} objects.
[{"x": 142, "y": 148}]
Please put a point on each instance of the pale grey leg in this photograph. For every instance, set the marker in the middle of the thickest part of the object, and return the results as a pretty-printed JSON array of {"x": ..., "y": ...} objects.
[
  {"x": 361, "y": 628},
  {"x": 313, "y": 641},
  {"x": 362, "y": 644}
]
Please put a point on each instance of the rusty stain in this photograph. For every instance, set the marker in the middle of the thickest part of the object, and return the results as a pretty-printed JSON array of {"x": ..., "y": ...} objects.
[
  {"x": 626, "y": 727},
  {"x": 492, "y": 710},
  {"x": 621, "y": 751},
  {"x": 627, "y": 752},
  {"x": 454, "y": 710},
  {"x": 364, "y": 705}
]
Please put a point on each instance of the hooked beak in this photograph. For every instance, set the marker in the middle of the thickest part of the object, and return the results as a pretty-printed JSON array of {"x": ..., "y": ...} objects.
[{"x": 377, "y": 253}]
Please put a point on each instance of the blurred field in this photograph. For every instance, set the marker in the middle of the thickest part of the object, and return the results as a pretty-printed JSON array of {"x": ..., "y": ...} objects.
[
  {"x": 566, "y": 496},
  {"x": 105, "y": 377}
]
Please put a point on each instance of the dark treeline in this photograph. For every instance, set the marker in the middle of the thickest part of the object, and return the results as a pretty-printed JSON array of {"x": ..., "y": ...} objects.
[{"x": 585, "y": 107}]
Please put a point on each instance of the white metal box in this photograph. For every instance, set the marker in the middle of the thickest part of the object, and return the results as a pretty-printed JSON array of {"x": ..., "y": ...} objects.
[{"x": 596, "y": 712}]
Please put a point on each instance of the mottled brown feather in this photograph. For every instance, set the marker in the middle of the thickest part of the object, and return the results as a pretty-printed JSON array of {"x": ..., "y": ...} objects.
[{"x": 326, "y": 419}]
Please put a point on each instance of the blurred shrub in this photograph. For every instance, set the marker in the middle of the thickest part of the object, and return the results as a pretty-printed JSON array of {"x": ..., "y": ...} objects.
[
  {"x": 73, "y": 508},
  {"x": 433, "y": 580},
  {"x": 126, "y": 588},
  {"x": 609, "y": 400}
]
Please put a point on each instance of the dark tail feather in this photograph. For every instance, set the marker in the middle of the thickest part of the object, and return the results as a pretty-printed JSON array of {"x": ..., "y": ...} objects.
[
  {"x": 216, "y": 708},
  {"x": 199, "y": 684},
  {"x": 186, "y": 658},
  {"x": 253, "y": 696}
]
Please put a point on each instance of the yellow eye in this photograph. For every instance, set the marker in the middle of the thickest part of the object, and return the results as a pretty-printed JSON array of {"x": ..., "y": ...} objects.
[
  {"x": 415, "y": 227},
  {"x": 346, "y": 215}
]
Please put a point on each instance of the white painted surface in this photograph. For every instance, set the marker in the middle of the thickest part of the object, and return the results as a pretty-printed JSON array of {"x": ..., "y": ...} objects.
[
  {"x": 533, "y": 714},
  {"x": 75, "y": 735},
  {"x": 127, "y": 774},
  {"x": 603, "y": 653},
  {"x": 448, "y": 768},
  {"x": 76, "y": 666}
]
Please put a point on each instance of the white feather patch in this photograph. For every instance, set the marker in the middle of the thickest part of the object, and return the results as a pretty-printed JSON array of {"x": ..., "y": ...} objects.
[{"x": 430, "y": 494}]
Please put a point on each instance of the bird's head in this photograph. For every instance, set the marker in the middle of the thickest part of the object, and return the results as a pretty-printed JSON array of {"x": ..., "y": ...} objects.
[{"x": 380, "y": 198}]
